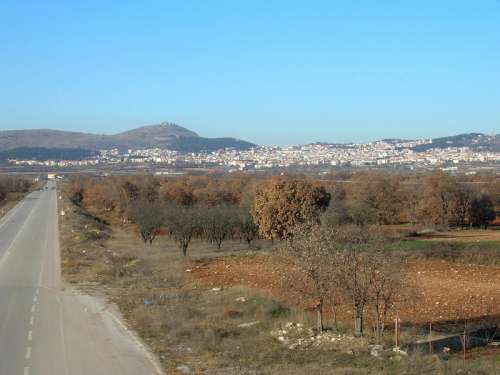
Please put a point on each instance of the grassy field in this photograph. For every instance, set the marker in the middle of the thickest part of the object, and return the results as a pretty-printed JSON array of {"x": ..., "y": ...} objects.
[{"x": 199, "y": 322}]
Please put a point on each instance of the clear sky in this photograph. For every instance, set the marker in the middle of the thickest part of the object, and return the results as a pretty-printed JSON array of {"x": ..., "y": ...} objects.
[{"x": 271, "y": 72}]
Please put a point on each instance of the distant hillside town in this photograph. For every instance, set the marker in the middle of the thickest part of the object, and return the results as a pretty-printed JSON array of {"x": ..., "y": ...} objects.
[{"x": 390, "y": 153}]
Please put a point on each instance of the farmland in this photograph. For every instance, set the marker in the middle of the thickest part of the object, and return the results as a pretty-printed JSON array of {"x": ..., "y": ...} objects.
[{"x": 241, "y": 307}]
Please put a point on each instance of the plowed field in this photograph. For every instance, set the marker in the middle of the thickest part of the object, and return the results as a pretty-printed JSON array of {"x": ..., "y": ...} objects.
[{"x": 442, "y": 291}]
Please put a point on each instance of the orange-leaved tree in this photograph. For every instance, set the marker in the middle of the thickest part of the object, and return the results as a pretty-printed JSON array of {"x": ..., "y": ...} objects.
[{"x": 283, "y": 203}]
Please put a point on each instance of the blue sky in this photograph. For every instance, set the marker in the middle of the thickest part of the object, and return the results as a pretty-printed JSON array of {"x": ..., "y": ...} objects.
[{"x": 271, "y": 72}]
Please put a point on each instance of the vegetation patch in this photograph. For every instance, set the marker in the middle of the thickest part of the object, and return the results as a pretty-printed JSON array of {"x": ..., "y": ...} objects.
[{"x": 235, "y": 276}]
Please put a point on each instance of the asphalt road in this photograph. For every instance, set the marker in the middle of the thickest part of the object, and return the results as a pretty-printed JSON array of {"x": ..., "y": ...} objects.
[{"x": 47, "y": 328}]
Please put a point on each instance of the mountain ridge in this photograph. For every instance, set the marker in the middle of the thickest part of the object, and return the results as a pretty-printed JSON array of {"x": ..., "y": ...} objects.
[
  {"x": 476, "y": 141},
  {"x": 164, "y": 135}
]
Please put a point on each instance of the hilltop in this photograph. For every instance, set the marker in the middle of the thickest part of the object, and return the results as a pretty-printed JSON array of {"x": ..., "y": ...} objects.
[
  {"x": 476, "y": 141},
  {"x": 164, "y": 135}
]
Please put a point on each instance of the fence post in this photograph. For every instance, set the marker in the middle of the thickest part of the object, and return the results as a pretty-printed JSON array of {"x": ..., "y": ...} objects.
[
  {"x": 430, "y": 337},
  {"x": 464, "y": 343},
  {"x": 397, "y": 330}
]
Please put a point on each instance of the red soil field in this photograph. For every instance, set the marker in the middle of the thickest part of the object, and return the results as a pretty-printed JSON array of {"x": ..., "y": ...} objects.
[{"x": 442, "y": 291}]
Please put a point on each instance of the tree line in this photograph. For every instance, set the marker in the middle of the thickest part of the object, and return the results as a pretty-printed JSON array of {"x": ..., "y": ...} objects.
[
  {"x": 13, "y": 185},
  {"x": 436, "y": 199},
  {"x": 214, "y": 224},
  {"x": 204, "y": 208},
  {"x": 329, "y": 231},
  {"x": 276, "y": 205}
]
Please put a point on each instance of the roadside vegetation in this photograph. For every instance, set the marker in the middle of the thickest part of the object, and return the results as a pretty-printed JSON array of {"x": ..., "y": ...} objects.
[
  {"x": 289, "y": 275},
  {"x": 12, "y": 190}
]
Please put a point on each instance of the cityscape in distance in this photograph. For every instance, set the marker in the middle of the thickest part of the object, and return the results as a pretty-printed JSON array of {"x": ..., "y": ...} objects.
[
  {"x": 250, "y": 188},
  {"x": 173, "y": 147}
]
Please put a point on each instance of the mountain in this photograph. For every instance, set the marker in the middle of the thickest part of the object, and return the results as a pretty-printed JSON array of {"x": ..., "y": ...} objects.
[
  {"x": 476, "y": 141},
  {"x": 164, "y": 135},
  {"x": 43, "y": 154}
]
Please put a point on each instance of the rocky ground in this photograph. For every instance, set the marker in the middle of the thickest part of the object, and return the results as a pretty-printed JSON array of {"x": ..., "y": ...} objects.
[{"x": 442, "y": 291}]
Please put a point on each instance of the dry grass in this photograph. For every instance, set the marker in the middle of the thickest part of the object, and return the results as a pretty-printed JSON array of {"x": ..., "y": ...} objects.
[
  {"x": 466, "y": 235},
  {"x": 187, "y": 323}
]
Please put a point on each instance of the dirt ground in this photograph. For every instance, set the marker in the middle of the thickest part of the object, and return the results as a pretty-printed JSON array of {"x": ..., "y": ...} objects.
[
  {"x": 468, "y": 235},
  {"x": 170, "y": 302},
  {"x": 443, "y": 291}
]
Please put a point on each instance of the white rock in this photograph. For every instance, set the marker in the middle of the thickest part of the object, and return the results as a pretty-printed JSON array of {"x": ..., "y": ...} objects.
[
  {"x": 184, "y": 369},
  {"x": 376, "y": 351},
  {"x": 249, "y": 324},
  {"x": 399, "y": 351}
]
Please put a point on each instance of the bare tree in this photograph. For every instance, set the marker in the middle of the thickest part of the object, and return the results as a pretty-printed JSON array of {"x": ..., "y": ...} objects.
[
  {"x": 482, "y": 211},
  {"x": 337, "y": 212},
  {"x": 385, "y": 283},
  {"x": 247, "y": 228},
  {"x": 356, "y": 266},
  {"x": 13, "y": 185},
  {"x": 219, "y": 223},
  {"x": 131, "y": 191},
  {"x": 355, "y": 278},
  {"x": 75, "y": 191},
  {"x": 148, "y": 218},
  {"x": 3, "y": 192},
  {"x": 183, "y": 223},
  {"x": 368, "y": 274},
  {"x": 462, "y": 203},
  {"x": 149, "y": 189},
  {"x": 376, "y": 198},
  {"x": 312, "y": 253},
  {"x": 439, "y": 192}
]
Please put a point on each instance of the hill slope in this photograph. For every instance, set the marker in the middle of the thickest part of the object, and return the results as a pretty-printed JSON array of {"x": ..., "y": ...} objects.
[
  {"x": 164, "y": 135},
  {"x": 476, "y": 141},
  {"x": 43, "y": 154}
]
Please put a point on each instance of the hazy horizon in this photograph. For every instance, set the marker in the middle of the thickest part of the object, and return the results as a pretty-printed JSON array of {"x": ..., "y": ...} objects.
[
  {"x": 248, "y": 140},
  {"x": 281, "y": 73}
]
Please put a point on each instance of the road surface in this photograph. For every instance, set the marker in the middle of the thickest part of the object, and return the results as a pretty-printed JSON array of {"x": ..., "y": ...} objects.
[{"x": 48, "y": 329}]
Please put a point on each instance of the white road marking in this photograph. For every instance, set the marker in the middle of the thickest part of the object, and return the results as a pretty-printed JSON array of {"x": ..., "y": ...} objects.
[
  {"x": 30, "y": 335},
  {"x": 42, "y": 268},
  {"x": 28, "y": 352},
  {"x": 11, "y": 213},
  {"x": 37, "y": 291},
  {"x": 35, "y": 298},
  {"x": 33, "y": 308},
  {"x": 63, "y": 336},
  {"x": 32, "y": 320}
]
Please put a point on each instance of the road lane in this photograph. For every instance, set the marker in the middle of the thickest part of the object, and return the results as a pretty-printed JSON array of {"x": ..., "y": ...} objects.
[{"x": 46, "y": 328}]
